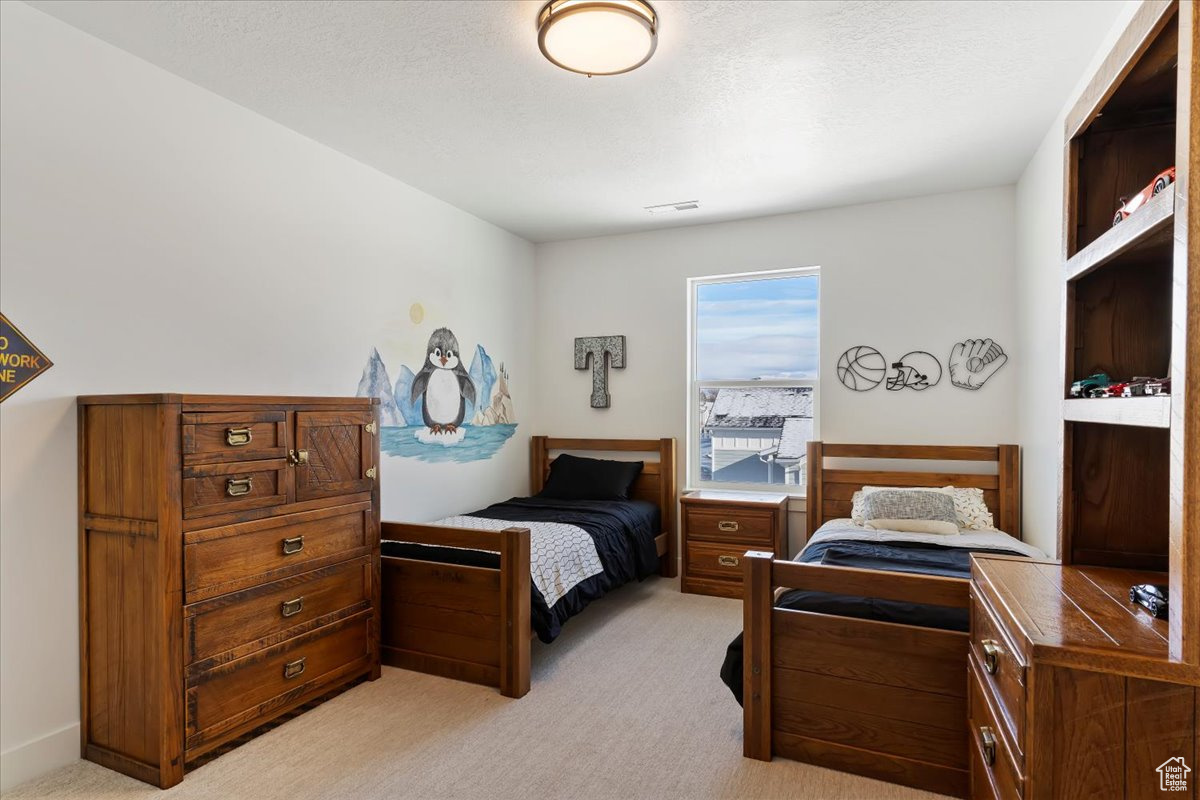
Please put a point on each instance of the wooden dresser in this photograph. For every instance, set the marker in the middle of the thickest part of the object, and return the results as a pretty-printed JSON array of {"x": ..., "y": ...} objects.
[
  {"x": 719, "y": 527},
  {"x": 1072, "y": 691},
  {"x": 228, "y": 567}
]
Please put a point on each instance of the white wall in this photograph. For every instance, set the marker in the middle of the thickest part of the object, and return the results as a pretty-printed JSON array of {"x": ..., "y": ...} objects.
[
  {"x": 159, "y": 238},
  {"x": 1039, "y": 242},
  {"x": 917, "y": 274}
]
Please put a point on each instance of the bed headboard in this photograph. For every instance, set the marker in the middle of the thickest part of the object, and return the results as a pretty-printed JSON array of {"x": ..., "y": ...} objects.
[
  {"x": 656, "y": 484},
  {"x": 830, "y": 490}
]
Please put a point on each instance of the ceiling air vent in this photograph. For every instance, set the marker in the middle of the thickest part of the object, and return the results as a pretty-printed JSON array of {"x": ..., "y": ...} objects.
[{"x": 686, "y": 205}]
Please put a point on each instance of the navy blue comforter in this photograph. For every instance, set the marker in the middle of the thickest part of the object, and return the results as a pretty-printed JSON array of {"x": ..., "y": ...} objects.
[{"x": 622, "y": 530}]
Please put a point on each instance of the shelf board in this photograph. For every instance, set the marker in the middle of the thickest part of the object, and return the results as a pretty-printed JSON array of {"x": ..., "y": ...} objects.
[
  {"x": 1147, "y": 225},
  {"x": 1145, "y": 412}
]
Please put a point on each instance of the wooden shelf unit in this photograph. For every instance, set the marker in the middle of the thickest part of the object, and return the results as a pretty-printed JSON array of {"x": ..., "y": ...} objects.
[
  {"x": 1131, "y": 296},
  {"x": 1150, "y": 229}
]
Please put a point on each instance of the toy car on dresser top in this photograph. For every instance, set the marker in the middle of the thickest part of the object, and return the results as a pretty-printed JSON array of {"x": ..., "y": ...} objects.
[
  {"x": 1091, "y": 386},
  {"x": 1131, "y": 204}
]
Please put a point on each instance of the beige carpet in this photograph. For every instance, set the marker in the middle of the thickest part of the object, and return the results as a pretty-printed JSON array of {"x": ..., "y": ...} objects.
[{"x": 626, "y": 704}]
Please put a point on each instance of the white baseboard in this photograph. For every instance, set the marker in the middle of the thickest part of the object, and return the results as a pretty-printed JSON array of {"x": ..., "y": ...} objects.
[{"x": 27, "y": 761}]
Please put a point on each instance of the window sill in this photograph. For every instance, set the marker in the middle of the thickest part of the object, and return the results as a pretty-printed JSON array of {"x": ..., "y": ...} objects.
[{"x": 797, "y": 502}]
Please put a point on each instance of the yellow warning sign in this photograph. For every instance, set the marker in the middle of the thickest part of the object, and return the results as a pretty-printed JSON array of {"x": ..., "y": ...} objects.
[{"x": 20, "y": 361}]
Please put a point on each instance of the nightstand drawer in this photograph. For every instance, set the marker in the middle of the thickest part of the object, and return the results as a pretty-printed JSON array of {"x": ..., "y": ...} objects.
[
  {"x": 715, "y": 560},
  {"x": 731, "y": 525}
]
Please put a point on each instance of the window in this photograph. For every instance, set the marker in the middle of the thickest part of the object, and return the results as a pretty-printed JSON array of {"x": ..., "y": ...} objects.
[{"x": 753, "y": 368}]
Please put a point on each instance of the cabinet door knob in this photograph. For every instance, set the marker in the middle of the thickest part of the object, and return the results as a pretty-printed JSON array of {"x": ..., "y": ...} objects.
[
  {"x": 727, "y": 525},
  {"x": 238, "y": 437},
  {"x": 294, "y": 669},
  {"x": 991, "y": 655},
  {"x": 988, "y": 737},
  {"x": 236, "y": 487},
  {"x": 298, "y": 457}
]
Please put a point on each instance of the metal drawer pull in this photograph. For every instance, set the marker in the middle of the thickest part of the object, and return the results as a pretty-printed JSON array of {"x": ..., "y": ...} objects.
[
  {"x": 293, "y": 545},
  {"x": 727, "y": 525},
  {"x": 991, "y": 655},
  {"x": 727, "y": 561},
  {"x": 237, "y": 437},
  {"x": 989, "y": 745},
  {"x": 236, "y": 487},
  {"x": 291, "y": 608},
  {"x": 293, "y": 669}
]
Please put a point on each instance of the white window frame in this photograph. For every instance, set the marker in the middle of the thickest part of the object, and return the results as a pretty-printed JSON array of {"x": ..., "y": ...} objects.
[{"x": 694, "y": 386}]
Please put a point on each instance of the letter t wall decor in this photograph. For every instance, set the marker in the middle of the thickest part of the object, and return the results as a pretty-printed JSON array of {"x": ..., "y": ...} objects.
[{"x": 597, "y": 347}]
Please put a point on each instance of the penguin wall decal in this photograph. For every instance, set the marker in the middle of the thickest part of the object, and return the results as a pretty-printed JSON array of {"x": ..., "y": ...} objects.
[
  {"x": 452, "y": 405},
  {"x": 444, "y": 384}
]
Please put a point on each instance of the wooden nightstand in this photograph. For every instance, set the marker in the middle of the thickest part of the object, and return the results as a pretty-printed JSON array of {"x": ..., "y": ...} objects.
[{"x": 718, "y": 527}]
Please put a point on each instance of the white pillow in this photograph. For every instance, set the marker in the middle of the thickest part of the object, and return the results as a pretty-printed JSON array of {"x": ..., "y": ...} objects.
[
  {"x": 972, "y": 512},
  {"x": 913, "y": 526}
]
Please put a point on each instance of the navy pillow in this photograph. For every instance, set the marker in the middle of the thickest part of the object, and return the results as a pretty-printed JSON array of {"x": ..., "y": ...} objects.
[{"x": 575, "y": 478}]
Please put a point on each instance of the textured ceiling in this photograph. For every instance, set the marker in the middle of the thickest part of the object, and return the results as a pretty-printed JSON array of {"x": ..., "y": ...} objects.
[{"x": 752, "y": 108}]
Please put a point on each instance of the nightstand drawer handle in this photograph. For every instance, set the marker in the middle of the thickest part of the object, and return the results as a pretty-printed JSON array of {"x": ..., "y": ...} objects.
[
  {"x": 293, "y": 545},
  {"x": 728, "y": 561},
  {"x": 236, "y": 487},
  {"x": 988, "y": 736},
  {"x": 290, "y": 608},
  {"x": 294, "y": 669},
  {"x": 727, "y": 525},
  {"x": 991, "y": 655},
  {"x": 238, "y": 437}
]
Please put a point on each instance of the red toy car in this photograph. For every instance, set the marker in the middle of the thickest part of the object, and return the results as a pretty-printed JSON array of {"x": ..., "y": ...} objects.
[
  {"x": 1132, "y": 204},
  {"x": 1134, "y": 387}
]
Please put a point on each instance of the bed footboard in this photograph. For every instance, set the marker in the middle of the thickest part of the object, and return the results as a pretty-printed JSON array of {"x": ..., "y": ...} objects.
[
  {"x": 880, "y": 699},
  {"x": 461, "y": 622}
]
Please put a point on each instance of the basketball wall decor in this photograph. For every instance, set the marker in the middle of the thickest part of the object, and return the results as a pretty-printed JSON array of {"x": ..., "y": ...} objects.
[
  {"x": 861, "y": 368},
  {"x": 974, "y": 361},
  {"x": 917, "y": 370}
]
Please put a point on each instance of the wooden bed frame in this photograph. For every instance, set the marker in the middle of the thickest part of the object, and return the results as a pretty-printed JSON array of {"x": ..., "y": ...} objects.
[
  {"x": 472, "y": 623},
  {"x": 880, "y": 699}
]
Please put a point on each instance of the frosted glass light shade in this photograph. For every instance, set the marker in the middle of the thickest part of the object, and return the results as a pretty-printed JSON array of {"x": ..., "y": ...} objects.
[{"x": 597, "y": 37}]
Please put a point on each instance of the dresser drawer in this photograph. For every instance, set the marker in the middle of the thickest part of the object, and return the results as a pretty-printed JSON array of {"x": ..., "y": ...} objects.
[
  {"x": 266, "y": 614},
  {"x": 220, "y": 560},
  {"x": 238, "y": 486},
  {"x": 1000, "y": 669},
  {"x": 233, "y": 436},
  {"x": 734, "y": 525},
  {"x": 245, "y": 689},
  {"x": 992, "y": 764}
]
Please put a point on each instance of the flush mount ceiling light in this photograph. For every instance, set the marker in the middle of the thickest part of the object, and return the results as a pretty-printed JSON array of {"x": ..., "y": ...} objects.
[{"x": 598, "y": 37}]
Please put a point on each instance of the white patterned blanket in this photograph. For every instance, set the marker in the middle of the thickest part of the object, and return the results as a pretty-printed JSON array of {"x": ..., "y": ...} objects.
[{"x": 560, "y": 556}]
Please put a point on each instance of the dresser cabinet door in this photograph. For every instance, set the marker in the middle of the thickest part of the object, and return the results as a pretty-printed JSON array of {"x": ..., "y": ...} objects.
[{"x": 336, "y": 452}]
